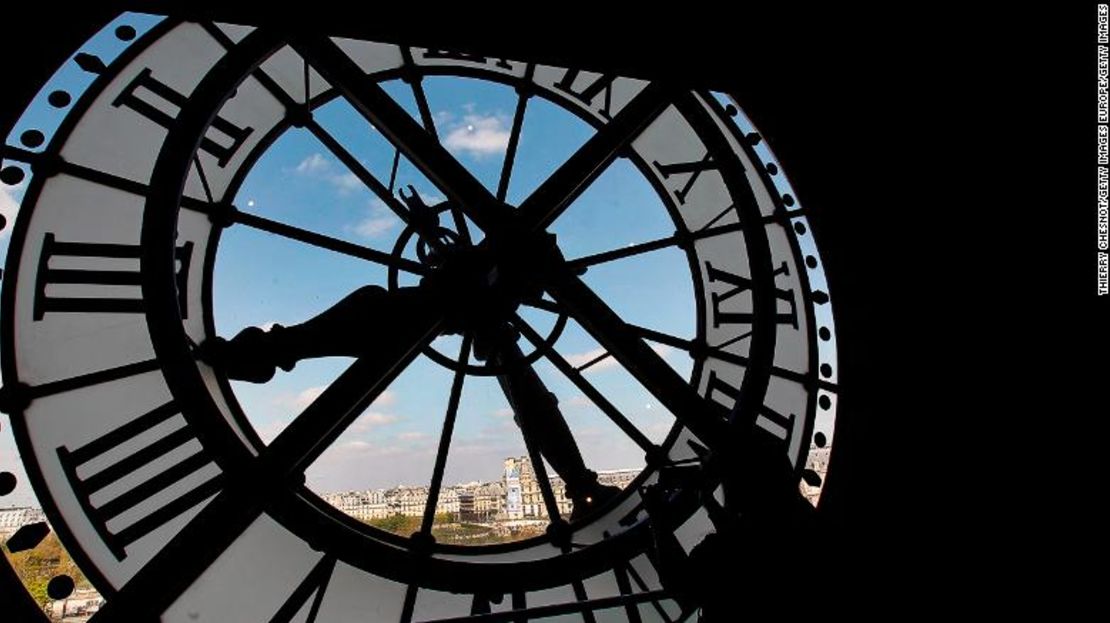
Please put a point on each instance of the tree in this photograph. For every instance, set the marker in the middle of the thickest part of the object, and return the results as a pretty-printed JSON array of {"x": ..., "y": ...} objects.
[{"x": 36, "y": 567}]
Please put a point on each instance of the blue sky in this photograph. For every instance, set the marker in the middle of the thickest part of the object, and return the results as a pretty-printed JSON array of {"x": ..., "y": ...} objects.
[
  {"x": 262, "y": 279},
  {"x": 299, "y": 182}
]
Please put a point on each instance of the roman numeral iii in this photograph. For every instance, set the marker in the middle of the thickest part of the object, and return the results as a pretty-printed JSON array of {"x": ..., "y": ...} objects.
[{"x": 91, "y": 289}]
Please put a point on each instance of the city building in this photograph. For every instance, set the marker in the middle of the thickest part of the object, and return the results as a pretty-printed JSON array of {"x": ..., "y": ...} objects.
[
  {"x": 517, "y": 496},
  {"x": 12, "y": 519}
]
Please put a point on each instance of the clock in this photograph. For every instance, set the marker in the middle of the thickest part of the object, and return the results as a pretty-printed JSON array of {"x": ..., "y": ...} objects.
[{"x": 123, "y": 396}]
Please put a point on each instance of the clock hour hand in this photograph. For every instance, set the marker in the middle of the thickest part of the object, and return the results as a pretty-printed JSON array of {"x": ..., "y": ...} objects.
[
  {"x": 254, "y": 354},
  {"x": 536, "y": 411}
]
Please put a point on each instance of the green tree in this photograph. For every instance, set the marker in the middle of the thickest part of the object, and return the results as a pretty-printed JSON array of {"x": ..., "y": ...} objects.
[{"x": 36, "y": 567}]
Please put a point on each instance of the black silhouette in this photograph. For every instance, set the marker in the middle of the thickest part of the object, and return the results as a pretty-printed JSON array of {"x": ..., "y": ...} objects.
[{"x": 480, "y": 298}]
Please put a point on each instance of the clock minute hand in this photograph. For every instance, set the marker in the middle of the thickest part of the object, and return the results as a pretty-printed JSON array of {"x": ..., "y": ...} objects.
[
  {"x": 536, "y": 411},
  {"x": 254, "y": 354}
]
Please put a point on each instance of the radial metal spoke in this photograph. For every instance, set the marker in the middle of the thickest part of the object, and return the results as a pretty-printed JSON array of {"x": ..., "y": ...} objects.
[
  {"x": 557, "y": 192},
  {"x": 585, "y": 386},
  {"x": 544, "y": 304},
  {"x": 279, "y": 466},
  {"x": 546, "y": 491},
  {"x": 660, "y": 243},
  {"x": 705, "y": 418},
  {"x": 460, "y": 225},
  {"x": 717, "y": 352},
  {"x": 327, "y": 242},
  {"x": 417, "y": 85},
  {"x": 616, "y": 254},
  {"x": 445, "y": 435},
  {"x": 540, "y": 471},
  {"x": 422, "y": 149},
  {"x": 663, "y": 338},
  {"x": 354, "y": 166},
  {"x": 514, "y": 137}
]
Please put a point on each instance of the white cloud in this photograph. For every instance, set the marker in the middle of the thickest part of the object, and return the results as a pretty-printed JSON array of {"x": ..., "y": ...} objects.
[
  {"x": 315, "y": 163},
  {"x": 478, "y": 135},
  {"x": 503, "y": 412},
  {"x": 374, "y": 226},
  {"x": 386, "y": 399},
  {"x": 9, "y": 206},
  {"x": 369, "y": 421},
  {"x": 379, "y": 221},
  {"x": 412, "y": 435},
  {"x": 305, "y": 397},
  {"x": 578, "y": 400},
  {"x": 346, "y": 182},
  {"x": 266, "y": 326},
  {"x": 317, "y": 166},
  {"x": 580, "y": 359}
]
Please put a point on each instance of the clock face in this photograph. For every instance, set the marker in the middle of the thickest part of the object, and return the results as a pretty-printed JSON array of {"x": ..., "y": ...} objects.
[{"x": 133, "y": 356}]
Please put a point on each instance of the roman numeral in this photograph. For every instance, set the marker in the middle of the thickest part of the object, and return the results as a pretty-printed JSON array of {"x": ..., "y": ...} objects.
[
  {"x": 464, "y": 57},
  {"x": 587, "y": 95},
  {"x": 482, "y": 603},
  {"x": 743, "y": 284},
  {"x": 783, "y": 425},
  {"x": 86, "y": 283},
  {"x": 694, "y": 169},
  {"x": 149, "y": 97},
  {"x": 314, "y": 585},
  {"x": 718, "y": 386},
  {"x": 94, "y": 454}
]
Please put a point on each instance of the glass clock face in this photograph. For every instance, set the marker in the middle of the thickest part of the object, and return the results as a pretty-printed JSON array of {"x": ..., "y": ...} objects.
[{"x": 358, "y": 329}]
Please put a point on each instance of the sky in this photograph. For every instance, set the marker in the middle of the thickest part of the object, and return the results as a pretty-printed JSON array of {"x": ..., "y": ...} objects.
[{"x": 261, "y": 279}]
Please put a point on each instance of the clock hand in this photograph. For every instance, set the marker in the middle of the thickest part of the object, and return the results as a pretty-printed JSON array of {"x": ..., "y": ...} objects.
[
  {"x": 537, "y": 413},
  {"x": 254, "y": 354}
]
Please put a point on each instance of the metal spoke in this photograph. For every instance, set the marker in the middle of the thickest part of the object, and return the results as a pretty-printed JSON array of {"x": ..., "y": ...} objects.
[
  {"x": 409, "y": 604},
  {"x": 663, "y": 338},
  {"x": 422, "y": 149},
  {"x": 585, "y": 386},
  {"x": 393, "y": 170},
  {"x": 342, "y": 402},
  {"x": 616, "y": 254},
  {"x": 555, "y": 194},
  {"x": 580, "y": 595},
  {"x": 661, "y": 243},
  {"x": 460, "y": 225},
  {"x": 530, "y": 445},
  {"x": 354, "y": 166},
  {"x": 278, "y": 466},
  {"x": 514, "y": 136},
  {"x": 717, "y": 352},
  {"x": 417, "y": 85},
  {"x": 705, "y": 418},
  {"x": 445, "y": 435},
  {"x": 90, "y": 174},
  {"x": 203, "y": 179},
  {"x": 544, "y": 304},
  {"x": 326, "y": 242}
]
